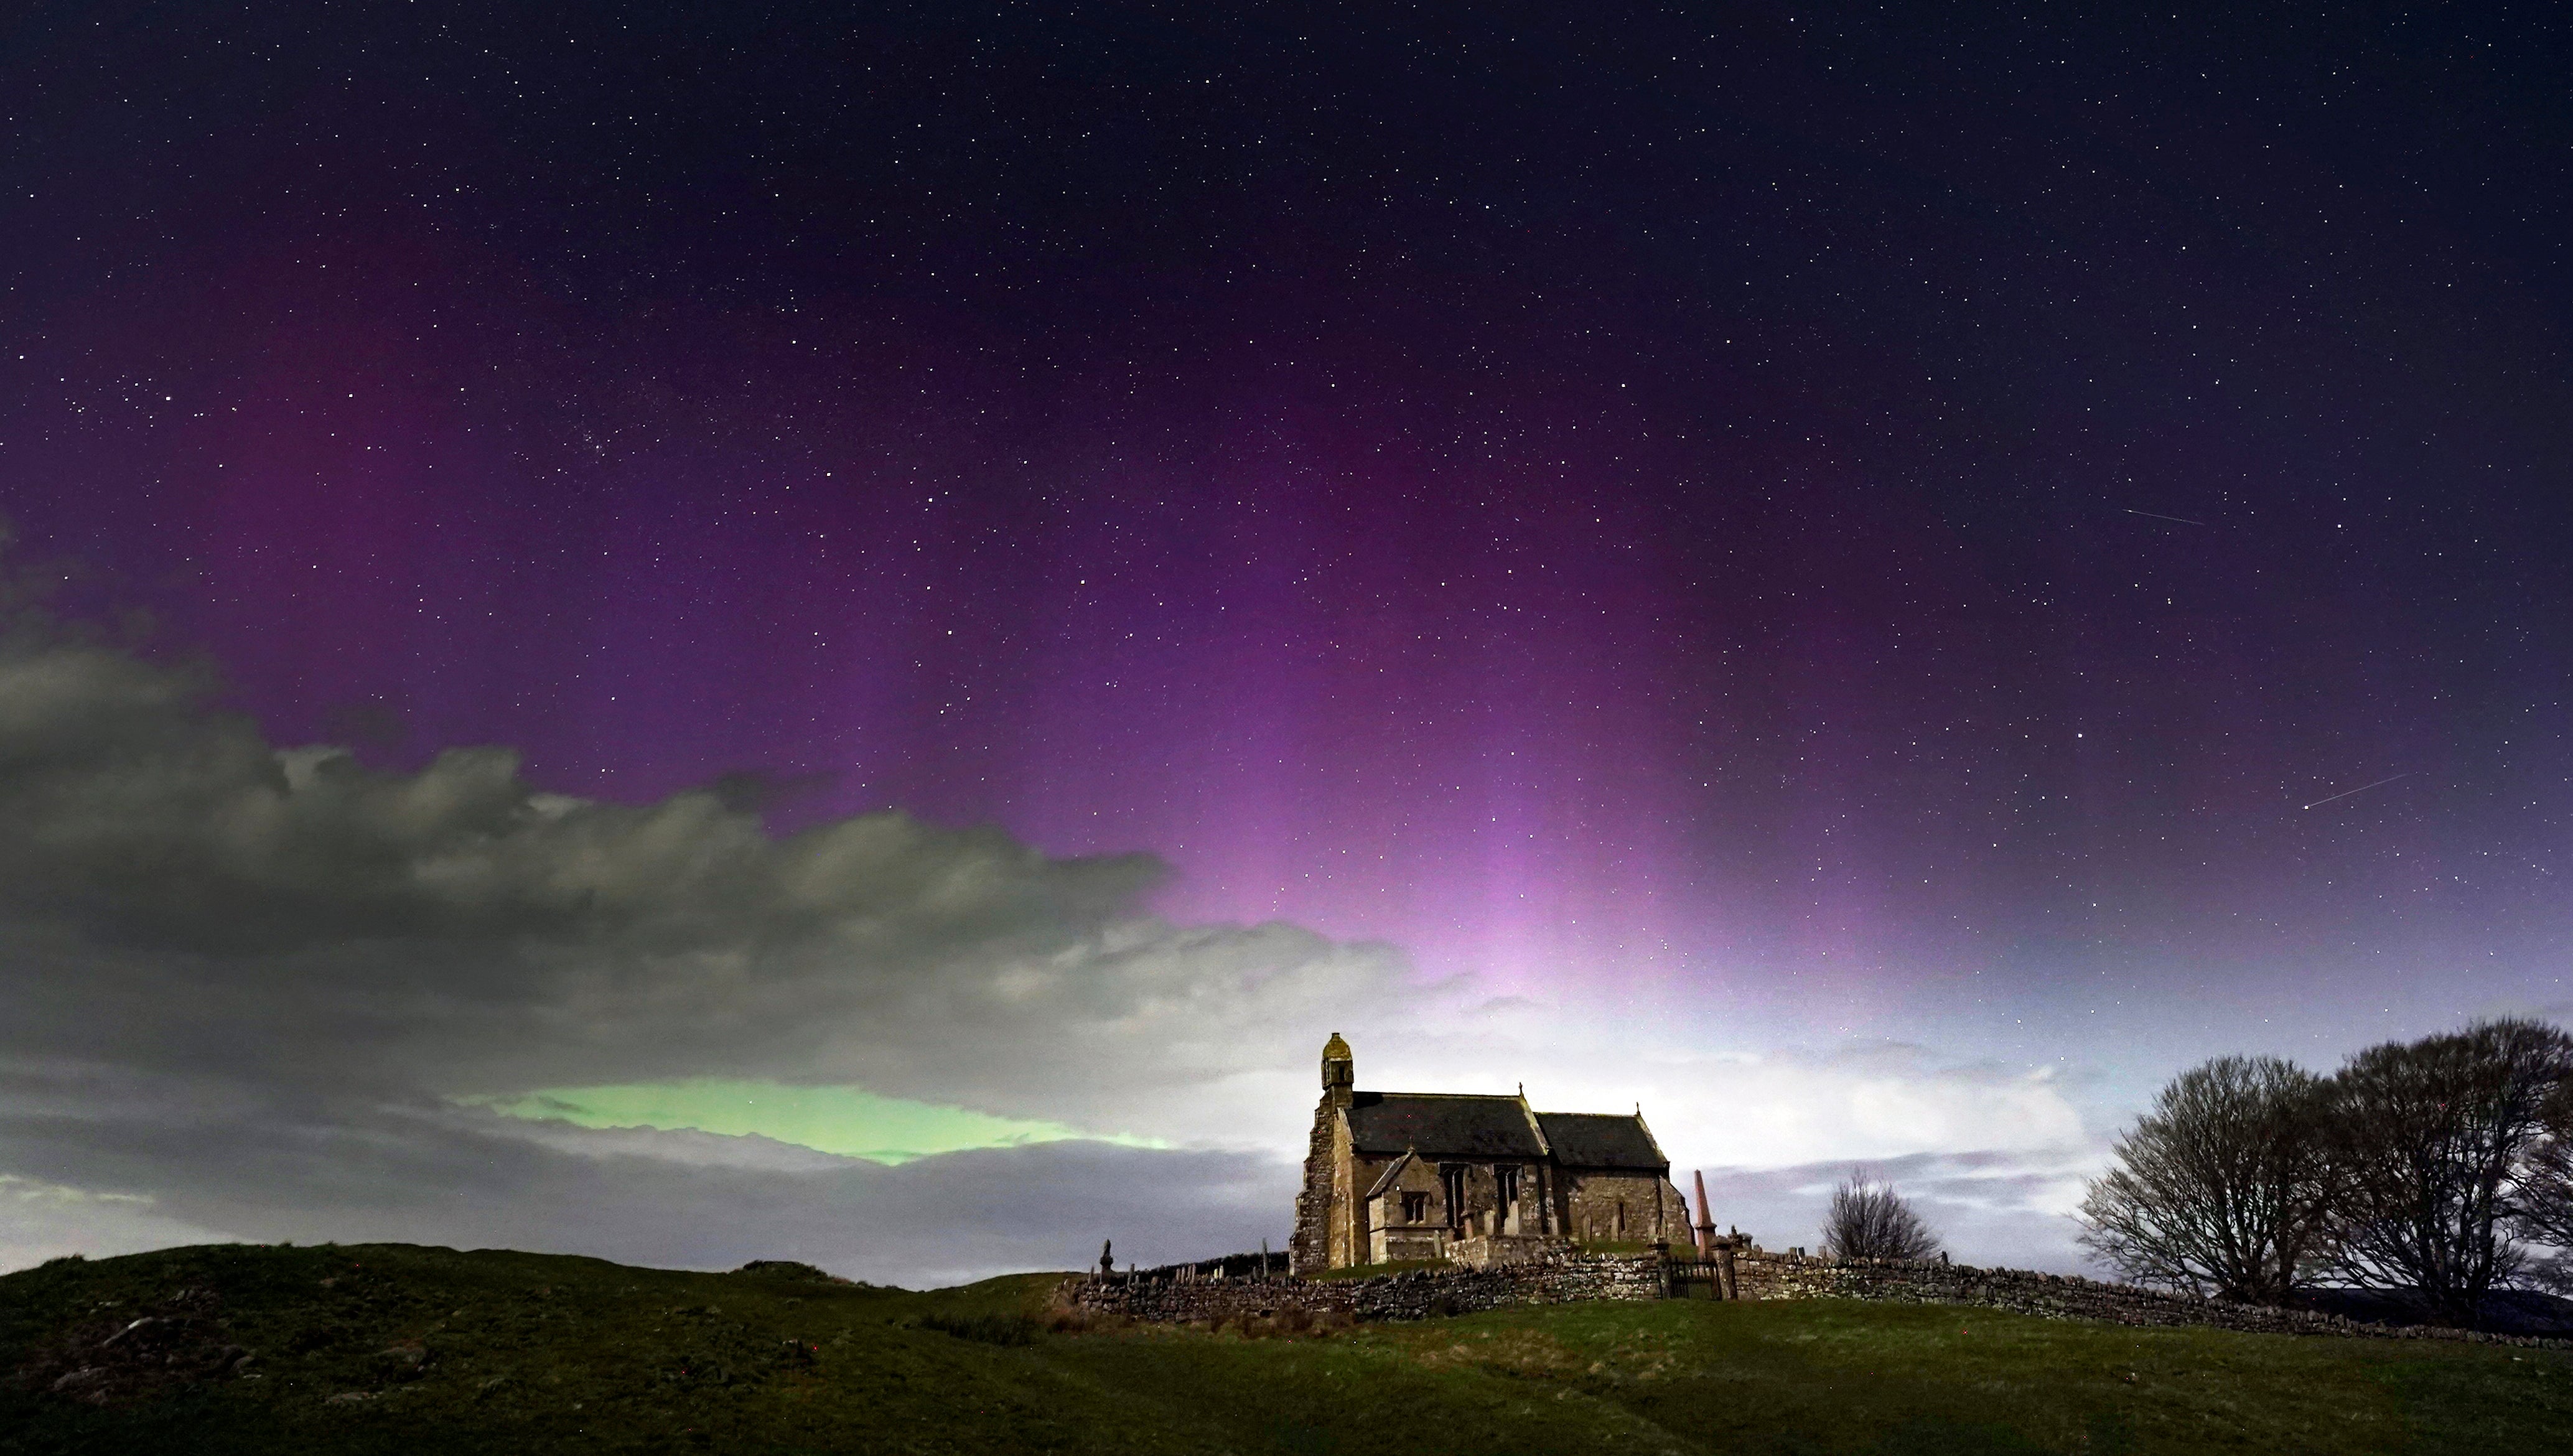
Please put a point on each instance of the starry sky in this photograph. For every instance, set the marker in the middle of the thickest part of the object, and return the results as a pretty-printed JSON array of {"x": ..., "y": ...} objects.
[{"x": 1924, "y": 553}]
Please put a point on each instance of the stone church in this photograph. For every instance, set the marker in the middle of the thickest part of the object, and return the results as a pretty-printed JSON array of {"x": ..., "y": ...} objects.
[{"x": 1475, "y": 1180}]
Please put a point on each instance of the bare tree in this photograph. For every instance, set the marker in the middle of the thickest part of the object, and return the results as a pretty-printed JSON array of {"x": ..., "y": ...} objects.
[
  {"x": 2437, "y": 1138},
  {"x": 2543, "y": 1211},
  {"x": 2223, "y": 1187},
  {"x": 1869, "y": 1221}
]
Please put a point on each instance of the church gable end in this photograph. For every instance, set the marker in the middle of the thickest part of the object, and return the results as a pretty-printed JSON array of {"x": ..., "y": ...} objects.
[{"x": 1407, "y": 1212}]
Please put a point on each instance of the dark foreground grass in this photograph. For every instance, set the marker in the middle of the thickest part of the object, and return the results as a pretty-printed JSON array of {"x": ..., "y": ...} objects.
[{"x": 417, "y": 1351}]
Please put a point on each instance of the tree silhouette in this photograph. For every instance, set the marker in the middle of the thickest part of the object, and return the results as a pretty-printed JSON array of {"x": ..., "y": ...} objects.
[
  {"x": 1869, "y": 1221},
  {"x": 2223, "y": 1187}
]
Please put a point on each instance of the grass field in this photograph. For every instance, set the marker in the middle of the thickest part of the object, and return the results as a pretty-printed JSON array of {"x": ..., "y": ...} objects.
[{"x": 414, "y": 1351}]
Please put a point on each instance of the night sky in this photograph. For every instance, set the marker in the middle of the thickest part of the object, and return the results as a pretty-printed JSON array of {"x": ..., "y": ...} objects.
[{"x": 1877, "y": 583}]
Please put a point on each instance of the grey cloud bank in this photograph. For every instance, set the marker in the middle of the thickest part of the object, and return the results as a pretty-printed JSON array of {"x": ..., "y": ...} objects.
[
  {"x": 663, "y": 1200},
  {"x": 246, "y": 986},
  {"x": 177, "y": 885}
]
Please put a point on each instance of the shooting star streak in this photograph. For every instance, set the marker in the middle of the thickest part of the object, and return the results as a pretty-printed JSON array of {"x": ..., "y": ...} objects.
[
  {"x": 2157, "y": 515},
  {"x": 2362, "y": 789}
]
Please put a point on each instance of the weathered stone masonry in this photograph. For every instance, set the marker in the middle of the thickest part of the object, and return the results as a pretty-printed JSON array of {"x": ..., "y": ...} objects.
[
  {"x": 1509, "y": 1196},
  {"x": 1766, "y": 1275},
  {"x": 1310, "y": 1246},
  {"x": 1424, "y": 1293},
  {"x": 1418, "y": 1295},
  {"x": 1415, "y": 1176}
]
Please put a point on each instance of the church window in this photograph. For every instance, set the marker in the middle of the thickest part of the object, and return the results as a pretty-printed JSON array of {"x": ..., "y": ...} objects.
[
  {"x": 1507, "y": 1179},
  {"x": 1451, "y": 1178},
  {"x": 1416, "y": 1208}
]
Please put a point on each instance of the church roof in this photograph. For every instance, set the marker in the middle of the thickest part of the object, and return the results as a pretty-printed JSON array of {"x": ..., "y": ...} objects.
[
  {"x": 1439, "y": 1124},
  {"x": 1447, "y": 1125},
  {"x": 1601, "y": 1140},
  {"x": 1393, "y": 1173}
]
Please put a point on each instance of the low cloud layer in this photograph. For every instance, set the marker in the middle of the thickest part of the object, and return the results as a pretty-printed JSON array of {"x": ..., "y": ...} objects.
[
  {"x": 2005, "y": 1208},
  {"x": 847, "y": 1121},
  {"x": 250, "y": 988},
  {"x": 179, "y": 889},
  {"x": 655, "y": 1198}
]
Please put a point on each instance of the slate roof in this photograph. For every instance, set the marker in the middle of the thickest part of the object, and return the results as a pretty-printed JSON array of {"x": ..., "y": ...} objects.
[
  {"x": 1441, "y": 1124},
  {"x": 1601, "y": 1140},
  {"x": 1392, "y": 1171},
  {"x": 1437, "y": 1124}
]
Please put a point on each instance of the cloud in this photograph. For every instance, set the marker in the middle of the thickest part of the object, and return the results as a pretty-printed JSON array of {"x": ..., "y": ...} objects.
[
  {"x": 2007, "y": 1208},
  {"x": 1711, "y": 1101},
  {"x": 431, "y": 1173},
  {"x": 146, "y": 816},
  {"x": 255, "y": 980},
  {"x": 945, "y": 1220},
  {"x": 254, "y": 984},
  {"x": 41, "y": 1221},
  {"x": 1885, "y": 1101},
  {"x": 847, "y": 1121},
  {"x": 292, "y": 915}
]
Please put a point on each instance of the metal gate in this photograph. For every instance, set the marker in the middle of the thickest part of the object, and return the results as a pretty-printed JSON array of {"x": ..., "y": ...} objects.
[{"x": 1701, "y": 1278}]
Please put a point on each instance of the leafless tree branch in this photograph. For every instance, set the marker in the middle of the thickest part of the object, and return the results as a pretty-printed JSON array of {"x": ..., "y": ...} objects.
[
  {"x": 2225, "y": 1188},
  {"x": 1869, "y": 1221},
  {"x": 2442, "y": 1142}
]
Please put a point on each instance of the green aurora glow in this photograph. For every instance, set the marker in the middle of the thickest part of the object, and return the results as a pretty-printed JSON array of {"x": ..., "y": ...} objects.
[{"x": 845, "y": 1120}]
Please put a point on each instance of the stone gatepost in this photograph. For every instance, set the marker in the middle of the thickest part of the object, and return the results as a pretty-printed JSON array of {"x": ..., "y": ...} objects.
[{"x": 1728, "y": 1284}]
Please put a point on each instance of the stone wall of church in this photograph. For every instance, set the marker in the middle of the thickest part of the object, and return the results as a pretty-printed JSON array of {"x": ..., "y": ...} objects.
[
  {"x": 1482, "y": 1189},
  {"x": 1481, "y": 1192},
  {"x": 1346, "y": 1176},
  {"x": 1309, "y": 1250},
  {"x": 1349, "y": 1199},
  {"x": 1364, "y": 1172},
  {"x": 1619, "y": 1208}
]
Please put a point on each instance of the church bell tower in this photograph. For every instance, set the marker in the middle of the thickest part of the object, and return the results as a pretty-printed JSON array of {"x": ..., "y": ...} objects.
[{"x": 1340, "y": 1072}]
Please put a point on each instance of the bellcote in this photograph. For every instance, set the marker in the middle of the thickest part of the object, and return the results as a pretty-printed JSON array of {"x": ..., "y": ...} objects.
[{"x": 1340, "y": 1071}]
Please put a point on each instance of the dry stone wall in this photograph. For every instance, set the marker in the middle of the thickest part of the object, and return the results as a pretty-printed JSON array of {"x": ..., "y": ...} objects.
[
  {"x": 1192, "y": 1295},
  {"x": 1418, "y": 1295},
  {"x": 1766, "y": 1275}
]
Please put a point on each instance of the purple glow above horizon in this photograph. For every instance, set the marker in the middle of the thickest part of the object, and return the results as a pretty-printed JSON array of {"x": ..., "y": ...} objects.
[{"x": 1485, "y": 567}]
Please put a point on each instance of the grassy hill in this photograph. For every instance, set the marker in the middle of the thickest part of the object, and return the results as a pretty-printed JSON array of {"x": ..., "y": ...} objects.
[{"x": 400, "y": 1349}]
